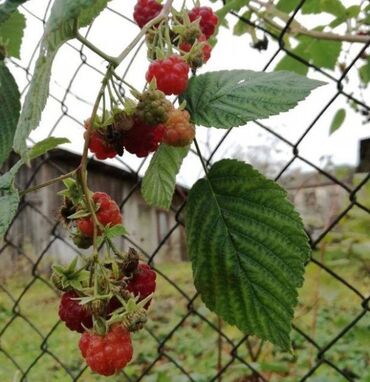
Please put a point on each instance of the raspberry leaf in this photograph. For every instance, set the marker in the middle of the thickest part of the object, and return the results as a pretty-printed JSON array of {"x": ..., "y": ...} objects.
[
  {"x": 160, "y": 178},
  {"x": 248, "y": 249},
  {"x": 9, "y": 110},
  {"x": 11, "y": 34},
  {"x": 9, "y": 201},
  {"x": 8, "y": 7},
  {"x": 60, "y": 27},
  {"x": 42, "y": 147},
  {"x": 228, "y": 99}
]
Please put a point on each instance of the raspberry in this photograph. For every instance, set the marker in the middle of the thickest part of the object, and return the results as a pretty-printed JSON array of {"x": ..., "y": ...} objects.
[
  {"x": 107, "y": 214},
  {"x": 179, "y": 130},
  {"x": 143, "y": 282},
  {"x": 73, "y": 314},
  {"x": 99, "y": 145},
  {"x": 153, "y": 107},
  {"x": 107, "y": 354},
  {"x": 208, "y": 19},
  {"x": 146, "y": 10},
  {"x": 201, "y": 54},
  {"x": 143, "y": 139},
  {"x": 171, "y": 74}
]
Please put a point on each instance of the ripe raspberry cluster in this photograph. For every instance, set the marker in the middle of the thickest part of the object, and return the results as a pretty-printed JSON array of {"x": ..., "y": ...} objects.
[
  {"x": 143, "y": 125},
  {"x": 106, "y": 320},
  {"x": 107, "y": 298},
  {"x": 151, "y": 121}
]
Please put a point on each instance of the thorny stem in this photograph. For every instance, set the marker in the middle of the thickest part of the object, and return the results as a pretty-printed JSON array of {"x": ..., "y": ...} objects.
[
  {"x": 49, "y": 182},
  {"x": 82, "y": 172}
]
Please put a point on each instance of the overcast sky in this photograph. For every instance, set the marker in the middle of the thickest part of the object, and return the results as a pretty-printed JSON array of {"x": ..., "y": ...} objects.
[{"x": 112, "y": 33}]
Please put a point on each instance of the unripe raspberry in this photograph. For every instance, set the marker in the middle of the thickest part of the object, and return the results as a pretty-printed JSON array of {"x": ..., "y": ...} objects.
[
  {"x": 153, "y": 107},
  {"x": 143, "y": 139},
  {"x": 171, "y": 74},
  {"x": 208, "y": 19},
  {"x": 107, "y": 354},
  {"x": 179, "y": 130},
  {"x": 146, "y": 10}
]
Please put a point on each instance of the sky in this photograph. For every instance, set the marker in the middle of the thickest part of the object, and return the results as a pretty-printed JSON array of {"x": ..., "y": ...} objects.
[{"x": 112, "y": 33}]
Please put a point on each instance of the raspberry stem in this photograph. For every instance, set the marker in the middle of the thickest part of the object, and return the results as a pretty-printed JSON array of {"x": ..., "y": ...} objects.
[{"x": 50, "y": 182}]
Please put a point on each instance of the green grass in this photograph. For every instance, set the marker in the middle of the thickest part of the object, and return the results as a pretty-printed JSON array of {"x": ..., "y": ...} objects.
[{"x": 325, "y": 308}]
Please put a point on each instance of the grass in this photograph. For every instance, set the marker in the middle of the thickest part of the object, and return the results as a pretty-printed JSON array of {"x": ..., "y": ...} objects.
[{"x": 326, "y": 307}]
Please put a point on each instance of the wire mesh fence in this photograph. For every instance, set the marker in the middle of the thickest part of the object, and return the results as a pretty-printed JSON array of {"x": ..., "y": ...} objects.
[{"x": 183, "y": 341}]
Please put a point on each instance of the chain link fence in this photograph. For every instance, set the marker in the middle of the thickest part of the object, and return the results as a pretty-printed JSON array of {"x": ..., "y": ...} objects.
[{"x": 184, "y": 341}]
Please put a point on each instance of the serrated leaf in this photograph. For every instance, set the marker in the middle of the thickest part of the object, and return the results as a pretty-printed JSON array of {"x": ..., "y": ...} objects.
[
  {"x": 8, "y": 7},
  {"x": 337, "y": 121},
  {"x": 248, "y": 249},
  {"x": 7, "y": 179},
  {"x": 48, "y": 144},
  {"x": 9, "y": 110},
  {"x": 232, "y": 98},
  {"x": 11, "y": 34},
  {"x": 8, "y": 207},
  {"x": 159, "y": 181},
  {"x": 60, "y": 27},
  {"x": 40, "y": 148}
]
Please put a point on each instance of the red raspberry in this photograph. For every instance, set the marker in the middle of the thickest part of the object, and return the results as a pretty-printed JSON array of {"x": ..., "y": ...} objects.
[
  {"x": 208, "y": 19},
  {"x": 205, "y": 52},
  {"x": 171, "y": 74},
  {"x": 73, "y": 314},
  {"x": 143, "y": 139},
  {"x": 143, "y": 282},
  {"x": 179, "y": 130},
  {"x": 108, "y": 354},
  {"x": 98, "y": 145},
  {"x": 146, "y": 10},
  {"x": 108, "y": 213}
]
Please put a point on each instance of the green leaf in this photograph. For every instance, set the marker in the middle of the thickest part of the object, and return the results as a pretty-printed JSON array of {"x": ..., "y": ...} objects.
[
  {"x": 117, "y": 230},
  {"x": 60, "y": 27},
  {"x": 291, "y": 64},
  {"x": 8, "y": 7},
  {"x": 159, "y": 181},
  {"x": 231, "y": 98},
  {"x": 287, "y": 5},
  {"x": 11, "y": 34},
  {"x": 9, "y": 110},
  {"x": 248, "y": 248},
  {"x": 364, "y": 72},
  {"x": 337, "y": 121},
  {"x": 42, "y": 147},
  {"x": 8, "y": 207},
  {"x": 242, "y": 27},
  {"x": 334, "y": 7},
  {"x": 321, "y": 53}
]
